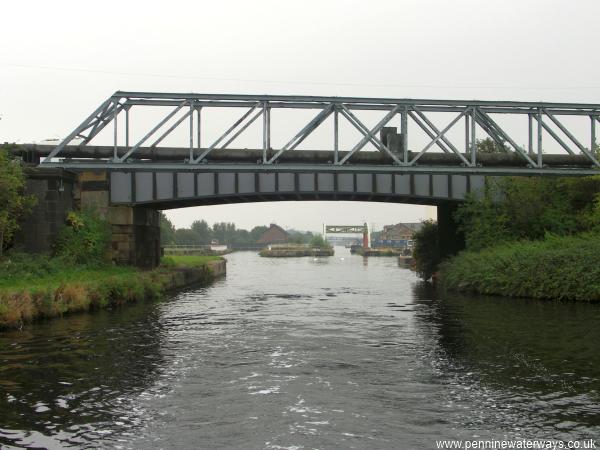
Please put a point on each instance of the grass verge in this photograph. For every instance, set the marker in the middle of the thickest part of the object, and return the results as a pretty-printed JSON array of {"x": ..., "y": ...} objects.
[{"x": 41, "y": 288}]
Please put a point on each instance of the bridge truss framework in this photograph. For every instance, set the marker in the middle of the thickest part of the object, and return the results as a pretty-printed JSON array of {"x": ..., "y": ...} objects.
[{"x": 189, "y": 108}]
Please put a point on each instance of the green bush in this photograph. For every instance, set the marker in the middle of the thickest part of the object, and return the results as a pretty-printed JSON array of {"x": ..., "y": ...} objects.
[
  {"x": 84, "y": 240},
  {"x": 14, "y": 204},
  {"x": 558, "y": 267}
]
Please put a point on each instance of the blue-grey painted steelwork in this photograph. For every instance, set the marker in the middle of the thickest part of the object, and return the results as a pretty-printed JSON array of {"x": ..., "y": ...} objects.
[
  {"x": 171, "y": 189},
  {"x": 168, "y": 177}
]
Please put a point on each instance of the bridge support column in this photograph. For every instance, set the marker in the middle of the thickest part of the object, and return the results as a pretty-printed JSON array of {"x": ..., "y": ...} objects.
[
  {"x": 135, "y": 230},
  {"x": 451, "y": 239},
  {"x": 135, "y": 236}
]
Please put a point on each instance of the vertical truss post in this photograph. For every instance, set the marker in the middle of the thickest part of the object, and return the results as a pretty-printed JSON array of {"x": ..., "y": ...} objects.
[
  {"x": 336, "y": 137},
  {"x": 467, "y": 131},
  {"x": 593, "y": 136},
  {"x": 116, "y": 132},
  {"x": 404, "y": 129},
  {"x": 539, "y": 138},
  {"x": 268, "y": 127},
  {"x": 199, "y": 130},
  {"x": 191, "y": 130},
  {"x": 127, "y": 127},
  {"x": 265, "y": 133},
  {"x": 473, "y": 138},
  {"x": 530, "y": 143}
]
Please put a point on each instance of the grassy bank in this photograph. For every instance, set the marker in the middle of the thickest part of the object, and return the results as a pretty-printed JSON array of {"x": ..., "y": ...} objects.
[
  {"x": 558, "y": 267},
  {"x": 33, "y": 288}
]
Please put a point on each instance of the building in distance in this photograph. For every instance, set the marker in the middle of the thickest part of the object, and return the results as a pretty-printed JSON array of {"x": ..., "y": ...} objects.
[
  {"x": 399, "y": 235},
  {"x": 274, "y": 235}
]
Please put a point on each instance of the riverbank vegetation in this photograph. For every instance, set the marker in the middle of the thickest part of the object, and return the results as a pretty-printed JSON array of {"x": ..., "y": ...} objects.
[
  {"x": 41, "y": 288},
  {"x": 78, "y": 276},
  {"x": 14, "y": 204},
  {"x": 529, "y": 237}
]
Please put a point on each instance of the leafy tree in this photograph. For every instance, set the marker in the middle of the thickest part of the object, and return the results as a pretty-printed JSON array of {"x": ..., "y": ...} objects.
[
  {"x": 299, "y": 237},
  {"x": 202, "y": 231},
  {"x": 185, "y": 236},
  {"x": 426, "y": 249},
  {"x": 14, "y": 204},
  {"x": 167, "y": 230},
  {"x": 484, "y": 222},
  {"x": 488, "y": 145},
  {"x": 257, "y": 232},
  {"x": 529, "y": 208}
]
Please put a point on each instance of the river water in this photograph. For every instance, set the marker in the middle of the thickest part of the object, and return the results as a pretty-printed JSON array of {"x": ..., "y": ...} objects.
[{"x": 304, "y": 353}]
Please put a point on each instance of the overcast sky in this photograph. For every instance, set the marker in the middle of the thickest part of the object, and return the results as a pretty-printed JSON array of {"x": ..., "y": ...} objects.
[{"x": 59, "y": 60}]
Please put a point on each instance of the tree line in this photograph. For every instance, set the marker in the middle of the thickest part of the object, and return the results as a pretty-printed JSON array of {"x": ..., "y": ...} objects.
[{"x": 201, "y": 233}]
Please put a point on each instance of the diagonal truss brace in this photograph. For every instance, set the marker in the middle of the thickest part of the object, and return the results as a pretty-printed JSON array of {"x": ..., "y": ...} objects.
[
  {"x": 431, "y": 134},
  {"x": 304, "y": 133},
  {"x": 442, "y": 135},
  {"x": 171, "y": 128},
  {"x": 553, "y": 134},
  {"x": 439, "y": 136},
  {"x": 572, "y": 138},
  {"x": 133, "y": 149},
  {"x": 371, "y": 134},
  {"x": 229, "y": 130},
  {"x": 477, "y": 113},
  {"x": 368, "y": 135},
  {"x": 87, "y": 123}
]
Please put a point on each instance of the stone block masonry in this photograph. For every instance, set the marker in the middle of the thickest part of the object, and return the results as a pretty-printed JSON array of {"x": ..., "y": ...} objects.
[
  {"x": 135, "y": 229},
  {"x": 53, "y": 189}
]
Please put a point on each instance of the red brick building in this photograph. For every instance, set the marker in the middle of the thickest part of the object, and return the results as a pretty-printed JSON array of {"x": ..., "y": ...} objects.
[{"x": 274, "y": 235}]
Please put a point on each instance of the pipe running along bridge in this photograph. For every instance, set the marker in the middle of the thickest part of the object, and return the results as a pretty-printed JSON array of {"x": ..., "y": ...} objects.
[{"x": 431, "y": 156}]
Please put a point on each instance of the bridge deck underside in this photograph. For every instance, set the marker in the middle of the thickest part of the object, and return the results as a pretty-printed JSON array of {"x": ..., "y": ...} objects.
[{"x": 166, "y": 190}]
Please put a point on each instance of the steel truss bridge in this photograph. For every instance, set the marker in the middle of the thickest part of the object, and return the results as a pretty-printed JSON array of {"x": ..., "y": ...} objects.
[
  {"x": 445, "y": 167},
  {"x": 392, "y": 156}
]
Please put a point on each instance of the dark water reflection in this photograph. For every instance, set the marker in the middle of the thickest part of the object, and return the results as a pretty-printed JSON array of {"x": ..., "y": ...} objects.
[
  {"x": 304, "y": 353},
  {"x": 540, "y": 358}
]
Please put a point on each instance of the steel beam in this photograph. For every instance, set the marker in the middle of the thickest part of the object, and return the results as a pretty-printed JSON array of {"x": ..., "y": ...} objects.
[{"x": 328, "y": 168}]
